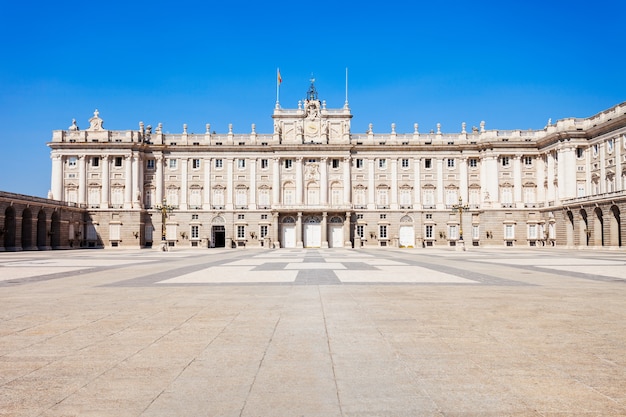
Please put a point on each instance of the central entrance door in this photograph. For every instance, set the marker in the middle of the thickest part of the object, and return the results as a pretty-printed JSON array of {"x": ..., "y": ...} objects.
[
  {"x": 407, "y": 237},
  {"x": 219, "y": 236},
  {"x": 312, "y": 235},
  {"x": 336, "y": 236}
]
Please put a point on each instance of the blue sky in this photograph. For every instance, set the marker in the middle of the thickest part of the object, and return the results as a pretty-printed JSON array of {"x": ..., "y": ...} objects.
[{"x": 512, "y": 64}]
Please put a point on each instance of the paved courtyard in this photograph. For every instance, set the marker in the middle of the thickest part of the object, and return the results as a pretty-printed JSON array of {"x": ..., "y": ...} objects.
[{"x": 313, "y": 333}]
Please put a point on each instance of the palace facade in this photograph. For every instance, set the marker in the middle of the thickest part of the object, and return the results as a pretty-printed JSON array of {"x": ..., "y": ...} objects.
[{"x": 312, "y": 182}]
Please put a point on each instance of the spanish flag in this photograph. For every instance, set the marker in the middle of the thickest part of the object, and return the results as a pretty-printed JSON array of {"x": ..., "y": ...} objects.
[{"x": 279, "y": 78}]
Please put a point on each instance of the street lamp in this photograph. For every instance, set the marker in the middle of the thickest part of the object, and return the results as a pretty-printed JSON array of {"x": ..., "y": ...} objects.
[
  {"x": 164, "y": 209},
  {"x": 460, "y": 208}
]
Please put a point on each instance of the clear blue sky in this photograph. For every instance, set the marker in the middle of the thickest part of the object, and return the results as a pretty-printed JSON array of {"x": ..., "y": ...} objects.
[{"x": 512, "y": 64}]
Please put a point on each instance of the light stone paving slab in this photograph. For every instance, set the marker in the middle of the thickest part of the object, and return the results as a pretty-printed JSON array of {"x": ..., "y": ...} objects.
[
  {"x": 367, "y": 261},
  {"x": 256, "y": 261},
  {"x": 553, "y": 261},
  {"x": 401, "y": 274},
  {"x": 315, "y": 265},
  {"x": 232, "y": 275},
  {"x": 8, "y": 273},
  {"x": 614, "y": 271}
]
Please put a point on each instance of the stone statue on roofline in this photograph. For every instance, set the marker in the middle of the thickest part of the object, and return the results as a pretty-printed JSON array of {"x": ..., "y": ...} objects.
[{"x": 95, "y": 123}]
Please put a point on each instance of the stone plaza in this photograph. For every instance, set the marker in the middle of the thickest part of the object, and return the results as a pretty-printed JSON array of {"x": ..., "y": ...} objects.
[{"x": 313, "y": 332}]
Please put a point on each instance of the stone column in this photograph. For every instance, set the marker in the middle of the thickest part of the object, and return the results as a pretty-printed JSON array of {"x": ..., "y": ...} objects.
[
  {"x": 159, "y": 179},
  {"x": 140, "y": 180},
  {"x": 463, "y": 186},
  {"x": 567, "y": 182},
  {"x": 618, "y": 157},
  {"x": 371, "y": 197},
  {"x": 324, "y": 230},
  {"x": 229, "y": 184},
  {"x": 206, "y": 204},
  {"x": 440, "y": 200},
  {"x": 137, "y": 184},
  {"x": 128, "y": 182},
  {"x": 184, "y": 185},
  {"x": 299, "y": 186},
  {"x": 276, "y": 182},
  {"x": 602, "y": 180},
  {"x": 106, "y": 182},
  {"x": 588, "y": 187},
  {"x": 56, "y": 186},
  {"x": 551, "y": 191},
  {"x": 346, "y": 231},
  {"x": 347, "y": 183},
  {"x": 517, "y": 181},
  {"x": 417, "y": 182},
  {"x": 394, "y": 184},
  {"x": 82, "y": 180},
  {"x": 252, "y": 202},
  {"x": 299, "y": 231},
  {"x": 275, "y": 238},
  {"x": 541, "y": 179},
  {"x": 324, "y": 181}
]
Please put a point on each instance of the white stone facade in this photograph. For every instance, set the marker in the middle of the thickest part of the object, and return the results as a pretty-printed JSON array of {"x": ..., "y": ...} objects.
[{"x": 314, "y": 183}]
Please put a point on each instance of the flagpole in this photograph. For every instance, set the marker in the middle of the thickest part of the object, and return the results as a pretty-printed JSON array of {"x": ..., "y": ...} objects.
[
  {"x": 277, "y": 87},
  {"x": 346, "y": 103}
]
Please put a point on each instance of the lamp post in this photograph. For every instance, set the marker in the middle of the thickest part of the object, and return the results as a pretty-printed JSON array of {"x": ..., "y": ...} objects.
[
  {"x": 164, "y": 209},
  {"x": 460, "y": 208}
]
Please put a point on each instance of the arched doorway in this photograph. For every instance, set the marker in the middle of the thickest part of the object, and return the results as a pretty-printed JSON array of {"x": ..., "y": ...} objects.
[
  {"x": 336, "y": 232},
  {"x": 583, "y": 229},
  {"x": 615, "y": 227},
  {"x": 27, "y": 229},
  {"x": 55, "y": 230},
  {"x": 406, "y": 234},
  {"x": 312, "y": 233},
  {"x": 9, "y": 228},
  {"x": 42, "y": 232},
  {"x": 598, "y": 228},
  {"x": 288, "y": 238},
  {"x": 218, "y": 232}
]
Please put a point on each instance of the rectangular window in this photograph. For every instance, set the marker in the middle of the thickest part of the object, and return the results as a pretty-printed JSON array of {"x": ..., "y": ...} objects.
[
  {"x": 473, "y": 162},
  {"x": 195, "y": 163},
  {"x": 173, "y": 163},
  {"x": 532, "y": 231},
  {"x": 263, "y": 231},
  {"x": 405, "y": 163},
  {"x": 429, "y": 231},
  {"x": 453, "y": 232},
  {"x": 428, "y": 163},
  {"x": 264, "y": 163},
  {"x": 475, "y": 232},
  {"x": 382, "y": 231},
  {"x": 509, "y": 231},
  {"x": 71, "y": 161},
  {"x": 506, "y": 161},
  {"x": 195, "y": 232},
  {"x": 383, "y": 216},
  {"x": 528, "y": 161},
  {"x": 241, "y": 232},
  {"x": 263, "y": 216},
  {"x": 382, "y": 163},
  {"x": 580, "y": 152},
  {"x": 288, "y": 163},
  {"x": 429, "y": 216},
  {"x": 450, "y": 162},
  {"x": 118, "y": 161},
  {"x": 241, "y": 163},
  {"x": 219, "y": 163},
  {"x": 194, "y": 217},
  {"x": 360, "y": 231},
  {"x": 241, "y": 216},
  {"x": 359, "y": 216},
  {"x": 335, "y": 163},
  {"x": 359, "y": 163},
  {"x": 95, "y": 161},
  {"x": 150, "y": 164}
]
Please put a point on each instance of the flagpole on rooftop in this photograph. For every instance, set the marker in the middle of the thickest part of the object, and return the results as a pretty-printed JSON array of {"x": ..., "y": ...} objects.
[{"x": 278, "y": 81}]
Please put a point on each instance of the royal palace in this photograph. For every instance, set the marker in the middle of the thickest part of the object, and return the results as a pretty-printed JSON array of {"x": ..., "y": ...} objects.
[{"x": 312, "y": 182}]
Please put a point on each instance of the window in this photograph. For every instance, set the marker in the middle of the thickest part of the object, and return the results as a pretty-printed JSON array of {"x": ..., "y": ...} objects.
[
  {"x": 382, "y": 231},
  {"x": 118, "y": 161},
  {"x": 451, "y": 197},
  {"x": 288, "y": 163},
  {"x": 475, "y": 232},
  {"x": 450, "y": 162},
  {"x": 428, "y": 163},
  {"x": 241, "y": 216},
  {"x": 610, "y": 144},
  {"x": 429, "y": 231},
  {"x": 509, "y": 231},
  {"x": 264, "y": 163},
  {"x": 263, "y": 216},
  {"x": 359, "y": 216},
  {"x": 359, "y": 163},
  {"x": 580, "y": 152},
  {"x": 528, "y": 161},
  {"x": 383, "y": 216},
  {"x": 532, "y": 231},
  {"x": 263, "y": 231},
  {"x": 453, "y": 232},
  {"x": 195, "y": 198},
  {"x": 195, "y": 232},
  {"x": 473, "y": 162},
  {"x": 382, "y": 163},
  {"x": 241, "y": 197},
  {"x": 241, "y": 163},
  {"x": 360, "y": 231},
  {"x": 241, "y": 232},
  {"x": 429, "y": 197},
  {"x": 506, "y": 161},
  {"x": 405, "y": 163},
  {"x": 312, "y": 161},
  {"x": 95, "y": 161},
  {"x": 264, "y": 198},
  {"x": 195, "y": 163},
  {"x": 71, "y": 161},
  {"x": 194, "y": 217},
  {"x": 429, "y": 216},
  {"x": 506, "y": 195},
  {"x": 219, "y": 163},
  {"x": 173, "y": 163},
  {"x": 150, "y": 164},
  {"x": 335, "y": 163}
]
